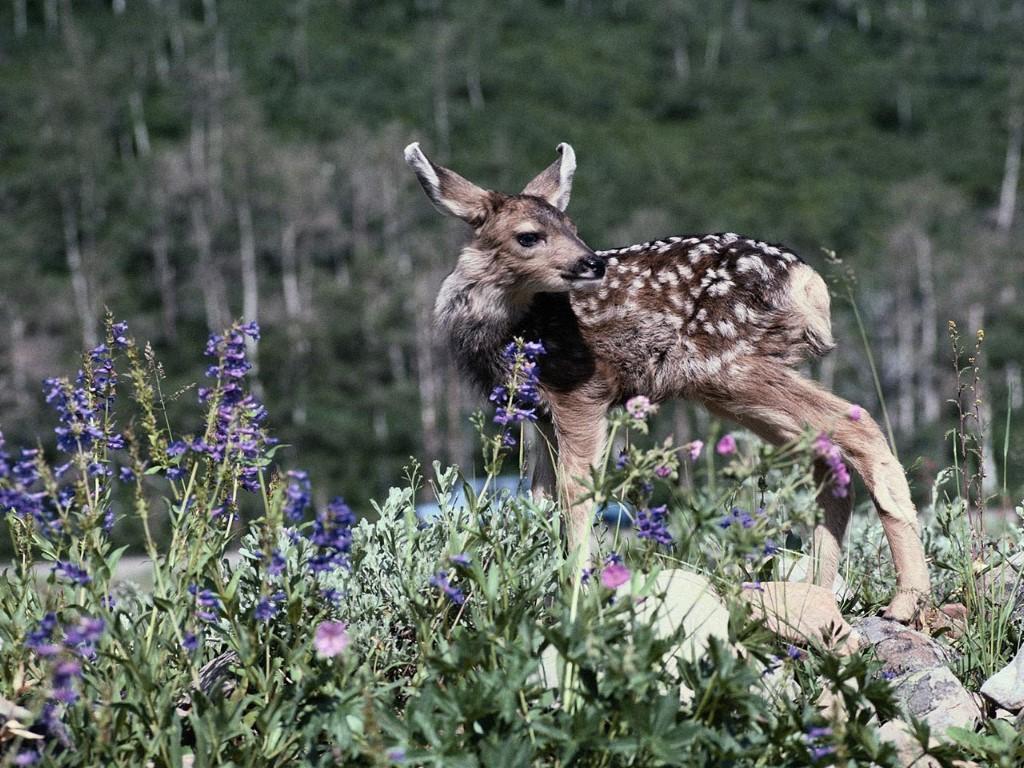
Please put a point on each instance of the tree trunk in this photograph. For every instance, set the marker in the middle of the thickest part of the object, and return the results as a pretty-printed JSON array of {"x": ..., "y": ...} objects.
[
  {"x": 930, "y": 399},
  {"x": 295, "y": 322},
  {"x": 76, "y": 268},
  {"x": 210, "y": 281},
  {"x": 1011, "y": 172},
  {"x": 139, "y": 129},
  {"x": 250, "y": 284},
  {"x": 50, "y": 15},
  {"x": 442, "y": 122},
  {"x": 164, "y": 269},
  {"x": 427, "y": 372},
  {"x": 20, "y": 18},
  {"x": 904, "y": 365}
]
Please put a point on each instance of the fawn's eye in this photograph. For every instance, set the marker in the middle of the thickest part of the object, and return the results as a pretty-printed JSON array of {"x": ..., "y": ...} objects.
[{"x": 528, "y": 239}]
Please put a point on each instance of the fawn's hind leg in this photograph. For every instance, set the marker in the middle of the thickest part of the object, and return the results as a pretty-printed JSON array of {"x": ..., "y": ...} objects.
[{"x": 771, "y": 397}]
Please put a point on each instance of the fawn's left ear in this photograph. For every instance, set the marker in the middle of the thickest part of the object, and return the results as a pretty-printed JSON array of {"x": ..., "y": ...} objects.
[
  {"x": 554, "y": 183},
  {"x": 449, "y": 192}
]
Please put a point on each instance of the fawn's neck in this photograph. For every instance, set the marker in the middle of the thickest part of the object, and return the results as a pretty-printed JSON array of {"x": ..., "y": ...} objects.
[{"x": 478, "y": 318}]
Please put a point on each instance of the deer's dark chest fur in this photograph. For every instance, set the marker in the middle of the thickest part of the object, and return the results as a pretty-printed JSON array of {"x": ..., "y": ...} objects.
[{"x": 669, "y": 315}]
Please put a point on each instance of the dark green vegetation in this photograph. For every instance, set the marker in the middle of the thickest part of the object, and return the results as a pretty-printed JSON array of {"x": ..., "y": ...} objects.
[{"x": 186, "y": 162}]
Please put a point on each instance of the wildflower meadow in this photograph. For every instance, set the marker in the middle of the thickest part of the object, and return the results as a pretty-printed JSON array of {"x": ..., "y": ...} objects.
[{"x": 278, "y": 631}]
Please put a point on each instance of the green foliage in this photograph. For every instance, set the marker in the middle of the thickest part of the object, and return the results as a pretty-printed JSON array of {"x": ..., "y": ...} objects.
[{"x": 471, "y": 639}]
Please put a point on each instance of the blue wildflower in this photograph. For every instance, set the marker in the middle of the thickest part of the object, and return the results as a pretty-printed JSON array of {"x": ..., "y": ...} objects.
[
  {"x": 296, "y": 495},
  {"x": 332, "y": 537},
  {"x": 652, "y": 524},
  {"x": 268, "y": 606},
  {"x": 440, "y": 580},
  {"x": 71, "y": 573}
]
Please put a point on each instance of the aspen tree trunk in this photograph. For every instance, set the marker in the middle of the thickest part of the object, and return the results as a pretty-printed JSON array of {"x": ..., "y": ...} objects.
[
  {"x": 427, "y": 373},
  {"x": 164, "y": 269},
  {"x": 906, "y": 356},
  {"x": 139, "y": 129},
  {"x": 210, "y": 282},
  {"x": 301, "y": 39},
  {"x": 20, "y": 18},
  {"x": 930, "y": 399},
  {"x": 442, "y": 123},
  {"x": 50, "y": 15},
  {"x": 296, "y": 314},
  {"x": 1011, "y": 172},
  {"x": 76, "y": 268},
  {"x": 250, "y": 285}
]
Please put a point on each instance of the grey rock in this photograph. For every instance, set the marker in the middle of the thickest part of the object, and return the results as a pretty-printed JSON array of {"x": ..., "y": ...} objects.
[
  {"x": 938, "y": 698},
  {"x": 924, "y": 685},
  {"x": 1006, "y": 687},
  {"x": 902, "y": 650}
]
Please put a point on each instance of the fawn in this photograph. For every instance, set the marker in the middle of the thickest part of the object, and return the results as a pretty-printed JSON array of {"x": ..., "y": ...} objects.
[{"x": 719, "y": 319}]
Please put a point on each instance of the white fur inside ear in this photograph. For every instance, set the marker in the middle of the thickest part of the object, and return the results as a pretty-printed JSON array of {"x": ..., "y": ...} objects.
[
  {"x": 565, "y": 173},
  {"x": 424, "y": 170}
]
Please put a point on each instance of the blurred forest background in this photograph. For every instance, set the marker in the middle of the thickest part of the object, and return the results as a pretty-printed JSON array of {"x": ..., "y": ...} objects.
[{"x": 184, "y": 162}]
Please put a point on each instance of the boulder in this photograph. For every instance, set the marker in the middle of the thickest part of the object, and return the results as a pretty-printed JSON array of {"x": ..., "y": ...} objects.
[
  {"x": 789, "y": 568},
  {"x": 801, "y": 613},
  {"x": 902, "y": 650},
  {"x": 938, "y": 698},
  {"x": 676, "y": 597},
  {"x": 917, "y": 666},
  {"x": 1006, "y": 687}
]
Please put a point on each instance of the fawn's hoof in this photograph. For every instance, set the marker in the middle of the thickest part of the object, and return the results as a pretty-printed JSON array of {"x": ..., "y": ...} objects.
[{"x": 907, "y": 607}]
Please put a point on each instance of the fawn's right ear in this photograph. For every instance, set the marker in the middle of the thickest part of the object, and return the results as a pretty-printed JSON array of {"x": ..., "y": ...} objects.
[{"x": 449, "y": 192}]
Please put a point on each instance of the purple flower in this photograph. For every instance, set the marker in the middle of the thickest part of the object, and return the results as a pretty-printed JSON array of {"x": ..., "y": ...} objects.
[
  {"x": 440, "y": 580},
  {"x": 331, "y": 638},
  {"x": 640, "y": 407},
  {"x": 461, "y": 559},
  {"x": 269, "y": 606},
  {"x": 770, "y": 548},
  {"x": 793, "y": 652},
  {"x": 693, "y": 449},
  {"x": 518, "y": 398},
  {"x": 277, "y": 563},
  {"x": 85, "y": 633},
  {"x": 652, "y": 524},
  {"x": 819, "y": 752},
  {"x": 396, "y": 755},
  {"x": 663, "y": 471},
  {"x": 119, "y": 334},
  {"x": 855, "y": 413},
  {"x": 207, "y": 604},
  {"x": 726, "y": 445},
  {"x": 126, "y": 475},
  {"x": 190, "y": 641},
  {"x": 615, "y": 575},
  {"x": 71, "y": 573},
  {"x": 236, "y": 434},
  {"x": 622, "y": 459},
  {"x": 297, "y": 495},
  {"x": 331, "y": 537},
  {"x": 829, "y": 452}
]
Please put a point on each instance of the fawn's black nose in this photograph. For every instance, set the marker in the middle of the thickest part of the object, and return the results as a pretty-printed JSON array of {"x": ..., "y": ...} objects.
[{"x": 589, "y": 268}]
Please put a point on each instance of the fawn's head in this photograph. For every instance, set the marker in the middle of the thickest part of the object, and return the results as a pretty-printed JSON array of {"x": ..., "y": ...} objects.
[{"x": 523, "y": 243}]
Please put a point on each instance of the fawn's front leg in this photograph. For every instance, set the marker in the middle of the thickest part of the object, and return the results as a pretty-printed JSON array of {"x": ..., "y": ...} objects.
[{"x": 581, "y": 428}]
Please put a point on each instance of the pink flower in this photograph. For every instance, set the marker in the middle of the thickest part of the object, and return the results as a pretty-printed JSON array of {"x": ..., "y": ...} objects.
[
  {"x": 615, "y": 575},
  {"x": 640, "y": 407},
  {"x": 331, "y": 638},
  {"x": 726, "y": 446},
  {"x": 694, "y": 448},
  {"x": 855, "y": 412},
  {"x": 663, "y": 471}
]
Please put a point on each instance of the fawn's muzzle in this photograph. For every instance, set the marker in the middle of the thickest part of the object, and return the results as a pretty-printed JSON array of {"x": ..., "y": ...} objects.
[{"x": 587, "y": 268}]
